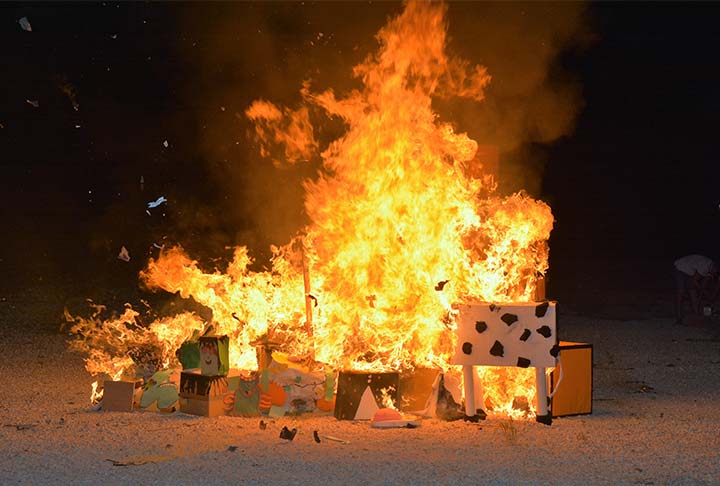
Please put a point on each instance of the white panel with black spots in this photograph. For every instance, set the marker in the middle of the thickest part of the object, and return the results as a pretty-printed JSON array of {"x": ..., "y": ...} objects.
[{"x": 520, "y": 334}]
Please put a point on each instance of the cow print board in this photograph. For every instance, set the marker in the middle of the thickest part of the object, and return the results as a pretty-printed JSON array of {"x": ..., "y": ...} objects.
[{"x": 521, "y": 334}]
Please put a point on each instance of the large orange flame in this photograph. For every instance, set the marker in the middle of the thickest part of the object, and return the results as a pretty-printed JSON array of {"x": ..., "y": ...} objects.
[{"x": 403, "y": 225}]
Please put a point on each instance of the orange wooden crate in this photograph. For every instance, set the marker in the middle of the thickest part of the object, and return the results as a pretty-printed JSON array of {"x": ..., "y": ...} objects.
[{"x": 574, "y": 394}]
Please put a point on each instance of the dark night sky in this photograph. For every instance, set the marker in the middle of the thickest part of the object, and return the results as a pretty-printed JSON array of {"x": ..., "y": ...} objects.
[{"x": 632, "y": 187}]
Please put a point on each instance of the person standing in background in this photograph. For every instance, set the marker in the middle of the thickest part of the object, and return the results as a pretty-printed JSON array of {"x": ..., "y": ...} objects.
[{"x": 693, "y": 276}]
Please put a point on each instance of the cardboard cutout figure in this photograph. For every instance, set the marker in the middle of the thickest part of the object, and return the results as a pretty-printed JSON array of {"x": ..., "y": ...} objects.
[
  {"x": 506, "y": 335},
  {"x": 214, "y": 355},
  {"x": 189, "y": 355},
  {"x": 247, "y": 398},
  {"x": 518, "y": 334},
  {"x": 159, "y": 389}
]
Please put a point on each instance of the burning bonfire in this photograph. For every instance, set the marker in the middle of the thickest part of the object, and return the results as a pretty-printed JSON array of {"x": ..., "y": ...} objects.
[{"x": 404, "y": 223}]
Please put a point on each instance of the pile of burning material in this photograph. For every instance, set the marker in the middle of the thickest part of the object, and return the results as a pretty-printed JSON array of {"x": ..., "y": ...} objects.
[
  {"x": 404, "y": 223},
  {"x": 207, "y": 386}
]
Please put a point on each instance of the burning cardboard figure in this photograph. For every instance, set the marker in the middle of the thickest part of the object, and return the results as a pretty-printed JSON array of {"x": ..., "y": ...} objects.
[{"x": 522, "y": 335}]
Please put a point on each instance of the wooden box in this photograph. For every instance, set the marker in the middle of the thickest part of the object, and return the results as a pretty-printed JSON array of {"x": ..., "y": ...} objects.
[{"x": 574, "y": 393}]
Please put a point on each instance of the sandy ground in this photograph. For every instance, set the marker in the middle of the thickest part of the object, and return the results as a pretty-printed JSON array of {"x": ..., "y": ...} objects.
[{"x": 656, "y": 420}]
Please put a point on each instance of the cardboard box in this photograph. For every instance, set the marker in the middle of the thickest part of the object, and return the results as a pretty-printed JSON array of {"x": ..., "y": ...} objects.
[
  {"x": 360, "y": 395},
  {"x": 415, "y": 389},
  {"x": 213, "y": 407},
  {"x": 118, "y": 395},
  {"x": 574, "y": 393},
  {"x": 201, "y": 387}
]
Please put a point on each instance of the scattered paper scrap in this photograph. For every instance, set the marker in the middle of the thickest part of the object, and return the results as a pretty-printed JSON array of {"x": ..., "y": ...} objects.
[
  {"x": 21, "y": 426},
  {"x": 277, "y": 412},
  {"x": 159, "y": 247},
  {"x": 148, "y": 212},
  {"x": 25, "y": 24},
  {"x": 34, "y": 103},
  {"x": 157, "y": 202},
  {"x": 139, "y": 461},
  {"x": 288, "y": 434},
  {"x": 336, "y": 439},
  {"x": 166, "y": 144},
  {"x": 114, "y": 36},
  {"x": 124, "y": 255},
  {"x": 160, "y": 391}
]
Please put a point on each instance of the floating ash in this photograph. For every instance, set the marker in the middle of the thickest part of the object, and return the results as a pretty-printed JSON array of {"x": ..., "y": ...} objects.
[{"x": 403, "y": 219}]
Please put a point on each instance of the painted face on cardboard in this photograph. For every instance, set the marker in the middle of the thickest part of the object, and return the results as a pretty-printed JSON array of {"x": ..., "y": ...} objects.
[
  {"x": 247, "y": 388},
  {"x": 209, "y": 359},
  {"x": 247, "y": 398}
]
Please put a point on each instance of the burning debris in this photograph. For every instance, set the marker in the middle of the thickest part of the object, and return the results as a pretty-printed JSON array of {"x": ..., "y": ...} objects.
[
  {"x": 157, "y": 202},
  {"x": 25, "y": 24},
  {"x": 124, "y": 255},
  {"x": 69, "y": 90},
  {"x": 399, "y": 210}
]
